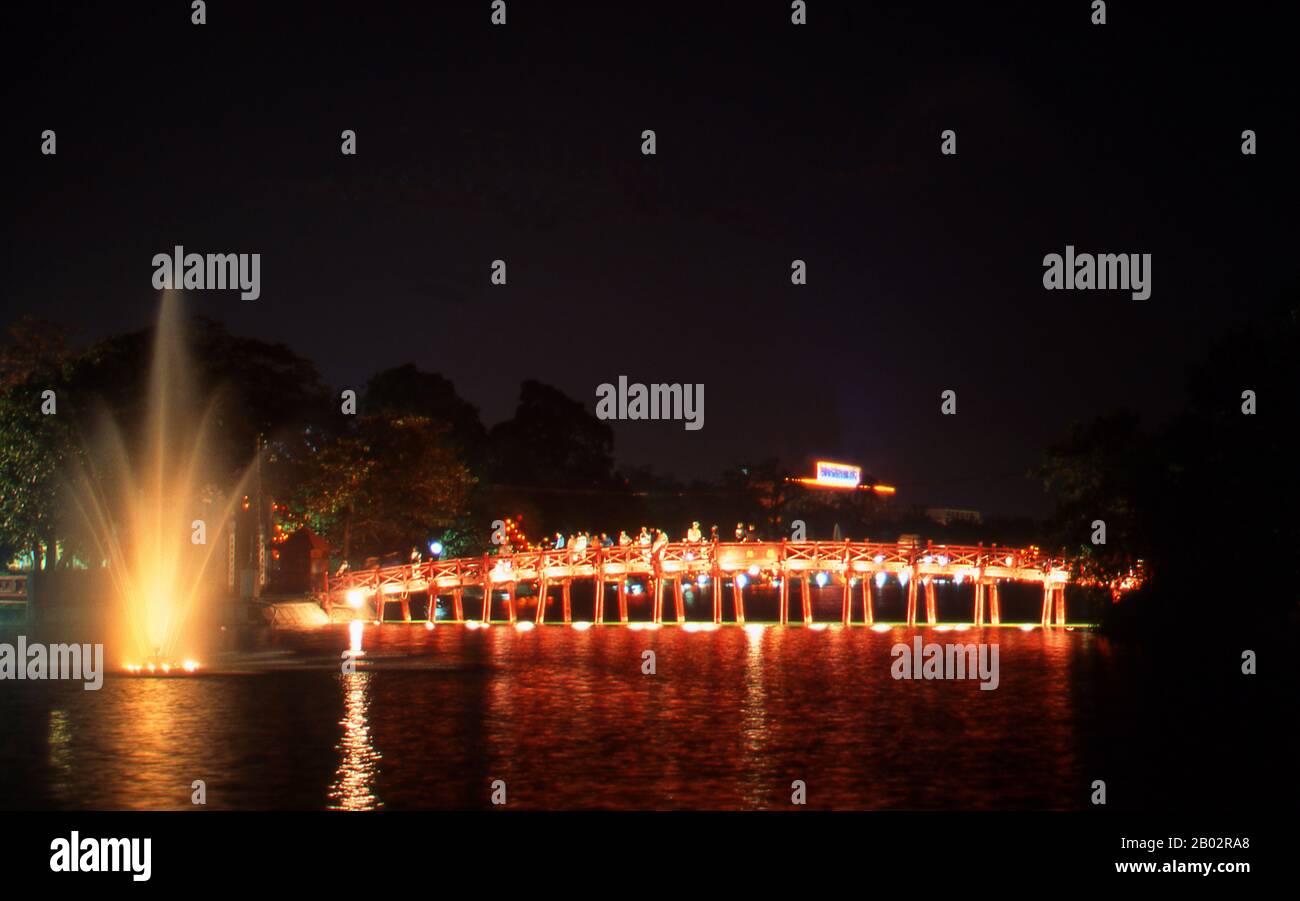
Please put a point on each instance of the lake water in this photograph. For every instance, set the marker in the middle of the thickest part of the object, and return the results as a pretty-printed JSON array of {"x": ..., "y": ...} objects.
[{"x": 568, "y": 720}]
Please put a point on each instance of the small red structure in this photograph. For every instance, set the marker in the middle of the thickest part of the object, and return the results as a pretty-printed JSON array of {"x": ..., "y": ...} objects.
[{"x": 302, "y": 563}]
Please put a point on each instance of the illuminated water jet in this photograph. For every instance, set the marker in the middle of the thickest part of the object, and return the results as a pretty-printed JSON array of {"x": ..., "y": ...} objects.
[{"x": 153, "y": 513}]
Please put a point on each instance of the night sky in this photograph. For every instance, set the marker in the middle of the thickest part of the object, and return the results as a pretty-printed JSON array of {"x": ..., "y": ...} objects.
[{"x": 775, "y": 142}]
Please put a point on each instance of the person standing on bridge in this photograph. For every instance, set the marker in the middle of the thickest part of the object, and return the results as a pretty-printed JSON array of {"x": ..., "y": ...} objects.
[
  {"x": 660, "y": 542},
  {"x": 740, "y": 531},
  {"x": 693, "y": 534}
]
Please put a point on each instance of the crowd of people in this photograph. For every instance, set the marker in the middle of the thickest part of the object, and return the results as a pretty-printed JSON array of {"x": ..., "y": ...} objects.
[{"x": 648, "y": 538}]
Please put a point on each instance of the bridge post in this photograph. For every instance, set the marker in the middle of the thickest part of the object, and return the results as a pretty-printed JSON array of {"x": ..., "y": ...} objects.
[
  {"x": 868, "y": 615},
  {"x": 543, "y": 586},
  {"x": 405, "y": 599},
  {"x": 1060, "y": 605},
  {"x": 717, "y": 587},
  {"x": 622, "y": 598},
  {"x": 738, "y": 600},
  {"x": 931, "y": 607},
  {"x": 565, "y": 600},
  {"x": 995, "y": 605},
  {"x": 911, "y": 597},
  {"x": 783, "y": 595},
  {"x": 846, "y": 602},
  {"x": 457, "y": 602},
  {"x": 678, "y": 600},
  {"x": 487, "y": 589},
  {"x": 600, "y": 586},
  {"x": 979, "y": 601},
  {"x": 510, "y": 601},
  {"x": 805, "y": 595},
  {"x": 1047, "y": 603}
]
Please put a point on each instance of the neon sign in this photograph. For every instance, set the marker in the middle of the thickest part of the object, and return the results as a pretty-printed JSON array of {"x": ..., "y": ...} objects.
[{"x": 838, "y": 475}]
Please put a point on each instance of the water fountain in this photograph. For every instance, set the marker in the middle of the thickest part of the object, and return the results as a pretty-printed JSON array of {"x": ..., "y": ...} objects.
[{"x": 143, "y": 499}]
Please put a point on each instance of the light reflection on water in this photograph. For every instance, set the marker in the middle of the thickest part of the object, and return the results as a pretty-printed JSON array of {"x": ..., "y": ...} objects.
[
  {"x": 354, "y": 783},
  {"x": 567, "y": 718}
]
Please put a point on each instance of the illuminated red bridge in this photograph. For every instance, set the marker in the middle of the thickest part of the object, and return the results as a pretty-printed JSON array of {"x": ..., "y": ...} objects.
[{"x": 853, "y": 565}]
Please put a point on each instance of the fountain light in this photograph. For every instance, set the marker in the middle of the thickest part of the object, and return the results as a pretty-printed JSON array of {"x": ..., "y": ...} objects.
[
  {"x": 159, "y": 666},
  {"x": 881, "y": 627},
  {"x": 524, "y": 625}
]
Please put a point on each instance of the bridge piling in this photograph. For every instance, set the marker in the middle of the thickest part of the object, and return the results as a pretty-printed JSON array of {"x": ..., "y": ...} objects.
[
  {"x": 911, "y": 599},
  {"x": 995, "y": 606},
  {"x": 543, "y": 587},
  {"x": 931, "y": 607},
  {"x": 716, "y": 587}
]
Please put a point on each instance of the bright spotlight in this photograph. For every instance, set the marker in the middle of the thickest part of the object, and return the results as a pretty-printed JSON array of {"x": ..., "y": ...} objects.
[
  {"x": 356, "y": 598},
  {"x": 821, "y": 580},
  {"x": 435, "y": 548},
  {"x": 880, "y": 579},
  {"x": 741, "y": 580}
]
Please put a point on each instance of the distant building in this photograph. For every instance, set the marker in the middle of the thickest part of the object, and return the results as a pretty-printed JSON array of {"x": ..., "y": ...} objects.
[{"x": 947, "y": 515}]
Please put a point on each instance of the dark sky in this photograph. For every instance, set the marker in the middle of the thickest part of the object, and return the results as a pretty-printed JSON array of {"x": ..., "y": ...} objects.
[{"x": 775, "y": 142}]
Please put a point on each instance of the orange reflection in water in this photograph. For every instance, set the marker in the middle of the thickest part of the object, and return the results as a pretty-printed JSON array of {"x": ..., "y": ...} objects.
[{"x": 354, "y": 780}]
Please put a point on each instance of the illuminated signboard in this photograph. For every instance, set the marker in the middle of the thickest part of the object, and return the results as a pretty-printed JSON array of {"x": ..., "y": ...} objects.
[{"x": 838, "y": 475}]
